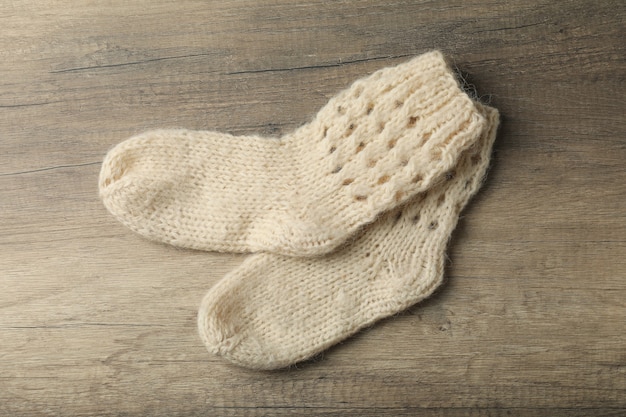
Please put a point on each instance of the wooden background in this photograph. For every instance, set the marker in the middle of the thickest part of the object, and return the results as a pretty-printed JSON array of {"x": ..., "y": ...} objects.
[{"x": 95, "y": 320}]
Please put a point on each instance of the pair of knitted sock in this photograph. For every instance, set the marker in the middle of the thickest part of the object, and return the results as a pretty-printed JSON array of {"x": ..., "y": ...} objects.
[{"x": 350, "y": 214}]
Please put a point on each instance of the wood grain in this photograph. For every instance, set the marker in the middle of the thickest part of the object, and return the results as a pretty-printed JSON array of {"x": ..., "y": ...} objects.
[{"x": 97, "y": 321}]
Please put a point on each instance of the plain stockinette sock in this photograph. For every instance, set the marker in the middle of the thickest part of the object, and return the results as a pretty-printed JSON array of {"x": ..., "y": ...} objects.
[
  {"x": 371, "y": 148},
  {"x": 274, "y": 311}
]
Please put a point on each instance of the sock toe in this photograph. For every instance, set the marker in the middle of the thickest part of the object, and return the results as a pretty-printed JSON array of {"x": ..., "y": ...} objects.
[
  {"x": 131, "y": 189},
  {"x": 213, "y": 329},
  {"x": 113, "y": 168}
]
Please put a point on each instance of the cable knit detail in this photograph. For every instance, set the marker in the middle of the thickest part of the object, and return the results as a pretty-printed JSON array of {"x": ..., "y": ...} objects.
[{"x": 372, "y": 147}]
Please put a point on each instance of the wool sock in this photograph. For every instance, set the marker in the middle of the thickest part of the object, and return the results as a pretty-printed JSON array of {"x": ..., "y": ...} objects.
[
  {"x": 274, "y": 311},
  {"x": 372, "y": 147}
]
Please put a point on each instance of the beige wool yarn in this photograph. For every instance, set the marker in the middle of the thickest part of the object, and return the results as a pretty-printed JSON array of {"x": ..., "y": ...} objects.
[
  {"x": 374, "y": 146},
  {"x": 274, "y": 311}
]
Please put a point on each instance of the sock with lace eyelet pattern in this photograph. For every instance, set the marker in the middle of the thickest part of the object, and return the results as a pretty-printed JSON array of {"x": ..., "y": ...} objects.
[
  {"x": 372, "y": 147},
  {"x": 273, "y": 311}
]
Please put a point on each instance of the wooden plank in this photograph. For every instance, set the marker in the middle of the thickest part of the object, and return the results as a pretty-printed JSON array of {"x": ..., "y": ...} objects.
[{"x": 95, "y": 320}]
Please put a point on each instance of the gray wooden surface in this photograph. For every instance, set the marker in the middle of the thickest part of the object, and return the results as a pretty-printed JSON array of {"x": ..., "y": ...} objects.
[{"x": 95, "y": 320}]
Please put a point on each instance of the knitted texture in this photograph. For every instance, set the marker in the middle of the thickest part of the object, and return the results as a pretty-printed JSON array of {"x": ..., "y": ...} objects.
[
  {"x": 274, "y": 310},
  {"x": 373, "y": 146}
]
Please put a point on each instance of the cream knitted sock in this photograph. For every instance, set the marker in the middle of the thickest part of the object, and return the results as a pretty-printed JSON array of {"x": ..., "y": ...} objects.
[
  {"x": 274, "y": 311},
  {"x": 372, "y": 147}
]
